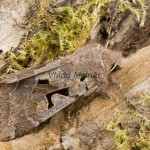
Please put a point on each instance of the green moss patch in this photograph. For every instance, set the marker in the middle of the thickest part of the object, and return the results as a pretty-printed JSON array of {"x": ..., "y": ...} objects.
[
  {"x": 57, "y": 32},
  {"x": 131, "y": 131}
]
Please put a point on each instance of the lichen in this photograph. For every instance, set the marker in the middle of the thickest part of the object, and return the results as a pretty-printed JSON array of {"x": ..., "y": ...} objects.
[{"x": 57, "y": 32}]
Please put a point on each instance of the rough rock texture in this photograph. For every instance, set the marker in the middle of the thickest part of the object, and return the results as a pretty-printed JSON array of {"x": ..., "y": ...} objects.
[
  {"x": 41, "y": 139},
  {"x": 138, "y": 62},
  {"x": 129, "y": 36},
  {"x": 14, "y": 16}
]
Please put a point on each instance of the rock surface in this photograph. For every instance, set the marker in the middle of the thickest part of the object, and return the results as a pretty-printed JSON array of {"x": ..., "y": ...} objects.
[
  {"x": 130, "y": 37},
  {"x": 14, "y": 16}
]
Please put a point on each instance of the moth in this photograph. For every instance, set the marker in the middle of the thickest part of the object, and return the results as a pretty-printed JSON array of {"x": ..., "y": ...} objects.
[{"x": 33, "y": 95}]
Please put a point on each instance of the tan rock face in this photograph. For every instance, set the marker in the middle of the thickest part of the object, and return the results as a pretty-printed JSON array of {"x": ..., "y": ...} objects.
[{"x": 13, "y": 17}]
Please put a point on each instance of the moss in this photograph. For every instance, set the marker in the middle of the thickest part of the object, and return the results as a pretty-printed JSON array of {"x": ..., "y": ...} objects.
[
  {"x": 146, "y": 101},
  {"x": 57, "y": 32},
  {"x": 125, "y": 138}
]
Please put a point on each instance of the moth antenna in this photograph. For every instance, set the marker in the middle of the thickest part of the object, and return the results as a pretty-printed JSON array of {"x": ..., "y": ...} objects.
[{"x": 114, "y": 66}]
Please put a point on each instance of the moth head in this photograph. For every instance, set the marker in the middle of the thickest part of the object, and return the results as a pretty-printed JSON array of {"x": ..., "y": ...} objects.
[{"x": 116, "y": 60}]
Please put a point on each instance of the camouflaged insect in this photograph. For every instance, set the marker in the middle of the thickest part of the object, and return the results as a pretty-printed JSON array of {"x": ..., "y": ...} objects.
[{"x": 33, "y": 95}]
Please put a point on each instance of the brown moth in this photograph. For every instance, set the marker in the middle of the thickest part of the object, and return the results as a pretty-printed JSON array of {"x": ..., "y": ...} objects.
[{"x": 30, "y": 97}]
